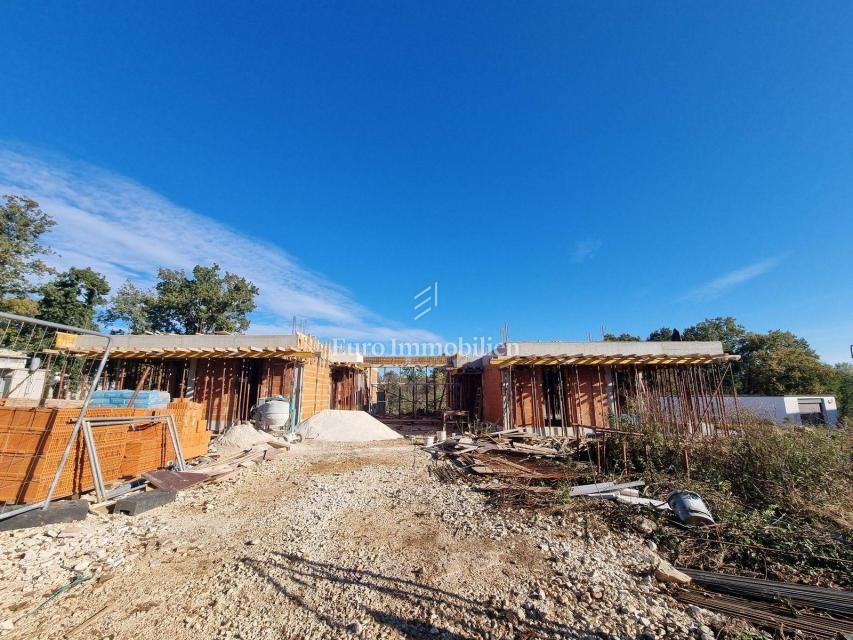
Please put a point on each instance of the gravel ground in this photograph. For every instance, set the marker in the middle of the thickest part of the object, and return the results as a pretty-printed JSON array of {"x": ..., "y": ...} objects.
[{"x": 332, "y": 541}]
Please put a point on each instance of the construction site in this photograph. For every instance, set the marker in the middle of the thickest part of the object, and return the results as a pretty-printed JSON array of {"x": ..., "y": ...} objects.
[
  {"x": 426, "y": 320},
  {"x": 248, "y": 486}
]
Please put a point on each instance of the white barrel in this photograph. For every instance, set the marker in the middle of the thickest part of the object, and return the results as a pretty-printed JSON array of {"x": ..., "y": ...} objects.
[
  {"x": 274, "y": 414},
  {"x": 429, "y": 441}
]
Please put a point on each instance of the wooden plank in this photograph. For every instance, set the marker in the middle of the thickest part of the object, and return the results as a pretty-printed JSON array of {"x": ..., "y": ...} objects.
[
  {"x": 515, "y": 465},
  {"x": 91, "y": 620},
  {"x": 462, "y": 450},
  {"x": 505, "y": 431},
  {"x": 480, "y": 469},
  {"x": 533, "y": 449},
  {"x": 174, "y": 480}
]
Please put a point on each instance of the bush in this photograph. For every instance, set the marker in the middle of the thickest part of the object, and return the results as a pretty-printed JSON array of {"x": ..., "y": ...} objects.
[
  {"x": 781, "y": 494},
  {"x": 798, "y": 468}
]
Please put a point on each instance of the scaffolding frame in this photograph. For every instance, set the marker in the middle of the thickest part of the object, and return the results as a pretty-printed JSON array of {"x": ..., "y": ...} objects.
[
  {"x": 100, "y": 489},
  {"x": 80, "y": 422}
]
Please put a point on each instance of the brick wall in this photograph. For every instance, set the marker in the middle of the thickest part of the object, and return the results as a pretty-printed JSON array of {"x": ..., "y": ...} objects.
[
  {"x": 586, "y": 395},
  {"x": 527, "y": 384},
  {"x": 492, "y": 398}
]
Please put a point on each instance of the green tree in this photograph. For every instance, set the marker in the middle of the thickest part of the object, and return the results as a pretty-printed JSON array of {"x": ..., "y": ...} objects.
[
  {"x": 132, "y": 306},
  {"x": 664, "y": 334},
  {"x": 725, "y": 329},
  {"x": 622, "y": 337},
  {"x": 23, "y": 223},
  {"x": 779, "y": 363},
  {"x": 73, "y": 297},
  {"x": 772, "y": 363},
  {"x": 206, "y": 302},
  {"x": 22, "y": 306},
  {"x": 844, "y": 372}
]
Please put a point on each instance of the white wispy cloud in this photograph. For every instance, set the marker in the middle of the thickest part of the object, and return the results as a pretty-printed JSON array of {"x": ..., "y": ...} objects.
[
  {"x": 585, "y": 249},
  {"x": 124, "y": 230},
  {"x": 720, "y": 285}
]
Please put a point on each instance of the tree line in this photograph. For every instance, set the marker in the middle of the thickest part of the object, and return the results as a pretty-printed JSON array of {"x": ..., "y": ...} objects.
[
  {"x": 771, "y": 364},
  {"x": 203, "y": 301}
]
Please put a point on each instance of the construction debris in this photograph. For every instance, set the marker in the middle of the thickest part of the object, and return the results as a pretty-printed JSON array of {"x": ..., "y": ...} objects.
[
  {"x": 174, "y": 480},
  {"x": 521, "y": 468},
  {"x": 690, "y": 508},
  {"x": 832, "y": 601},
  {"x": 514, "y": 459},
  {"x": 604, "y": 489},
  {"x": 513, "y": 453},
  {"x": 57, "y": 512},
  {"x": 779, "y": 618},
  {"x": 775, "y": 606},
  {"x": 145, "y": 501}
]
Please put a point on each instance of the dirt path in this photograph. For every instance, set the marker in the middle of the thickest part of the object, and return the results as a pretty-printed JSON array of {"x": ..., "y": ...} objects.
[{"x": 332, "y": 541}]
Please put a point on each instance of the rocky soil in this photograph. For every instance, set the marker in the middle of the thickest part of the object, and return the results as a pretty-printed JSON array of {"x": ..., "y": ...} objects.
[{"x": 333, "y": 541}]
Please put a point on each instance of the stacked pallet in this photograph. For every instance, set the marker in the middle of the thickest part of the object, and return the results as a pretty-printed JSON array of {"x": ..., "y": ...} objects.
[{"x": 32, "y": 441}]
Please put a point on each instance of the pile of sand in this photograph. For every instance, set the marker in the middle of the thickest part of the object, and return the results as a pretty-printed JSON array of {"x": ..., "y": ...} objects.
[
  {"x": 241, "y": 436},
  {"x": 345, "y": 426}
]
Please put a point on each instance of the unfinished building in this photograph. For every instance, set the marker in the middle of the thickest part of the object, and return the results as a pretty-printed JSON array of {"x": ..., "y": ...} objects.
[
  {"x": 350, "y": 380},
  {"x": 563, "y": 388},
  {"x": 160, "y": 394},
  {"x": 228, "y": 374}
]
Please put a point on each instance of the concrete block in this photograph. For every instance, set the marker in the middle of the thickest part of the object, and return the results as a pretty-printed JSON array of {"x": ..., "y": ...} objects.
[
  {"x": 145, "y": 501},
  {"x": 57, "y": 512}
]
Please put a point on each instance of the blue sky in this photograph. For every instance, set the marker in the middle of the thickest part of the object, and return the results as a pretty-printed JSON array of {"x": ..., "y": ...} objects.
[{"x": 558, "y": 166}]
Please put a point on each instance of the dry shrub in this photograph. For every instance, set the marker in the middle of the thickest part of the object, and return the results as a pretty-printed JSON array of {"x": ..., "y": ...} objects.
[
  {"x": 783, "y": 490},
  {"x": 801, "y": 469}
]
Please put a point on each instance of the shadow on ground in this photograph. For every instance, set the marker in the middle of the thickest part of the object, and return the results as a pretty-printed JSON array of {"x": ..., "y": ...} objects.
[{"x": 403, "y": 601}]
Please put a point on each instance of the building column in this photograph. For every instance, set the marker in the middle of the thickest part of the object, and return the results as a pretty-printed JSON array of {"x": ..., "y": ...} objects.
[{"x": 189, "y": 392}]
